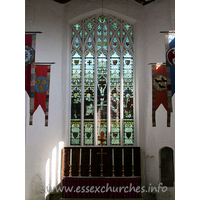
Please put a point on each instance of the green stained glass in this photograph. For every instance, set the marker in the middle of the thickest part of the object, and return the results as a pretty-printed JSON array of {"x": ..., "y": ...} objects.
[
  {"x": 102, "y": 19},
  {"x": 131, "y": 34},
  {"x": 104, "y": 30},
  {"x": 93, "y": 34},
  {"x": 115, "y": 26},
  {"x": 115, "y": 99},
  {"x": 89, "y": 26},
  {"x": 81, "y": 33},
  {"x": 89, "y": 43},
  {"x": 128, "y": 121},
  {"x": 102, "y": 94},
  {"x": 76, "y": 99},
  {"x": 127, "y": 26},
  {"x": 77, "y": 26},
  {"x": 73, "y": 33},
  {"x": 111, "y": 33},
  {"x": 89, "y": 99},
  {"x": 123, "y": 34},
  {"x": 86, "y": 34},
  {"x": 76, "y": 43},
  {"x": 98, "y": 44},
  {"x": 118, "y": 33},
  {"x": 99, "y": 30}
]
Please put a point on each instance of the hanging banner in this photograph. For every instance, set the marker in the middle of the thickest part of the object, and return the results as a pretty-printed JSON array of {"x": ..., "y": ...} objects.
[
  {"x": 160, "y": 89},
  {"x": 41, "y": 96},
  {"x": 30, "y": 40},
  {"x": 170, "y": 59}
]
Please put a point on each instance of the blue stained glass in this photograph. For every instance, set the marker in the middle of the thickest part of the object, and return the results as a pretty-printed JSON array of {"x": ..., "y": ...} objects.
[
  {"x": 99, "y": 30},
  {"x": 89, "y": 43},
  {"x": 128, "y": 121},
  {"x": 105, "y": 30},
  {"x": 76, "y": 43},
  {"x": 115, "y": 99},
  {"x": 105, "y": 44},
  {"x": 98, "y": 44},
  {"x": 127, "y": 42},
  {"x": 114, "y": 43}
]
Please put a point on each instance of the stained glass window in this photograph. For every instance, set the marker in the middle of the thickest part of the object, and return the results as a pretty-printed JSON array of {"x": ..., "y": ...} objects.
[
  {"x": 128, "y": 122},
  {"x": 102, "y": 81},
  {"x": 76, "y": 72},
  {"x": 89, "y": 99},
  {"x": 115, "y": 98},
  {"x": 102, "y": 94}
]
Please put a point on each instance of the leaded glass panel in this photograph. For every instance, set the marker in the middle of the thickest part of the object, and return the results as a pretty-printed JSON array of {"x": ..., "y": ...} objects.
[
  {"x": 102, "y": 39},
  {"x": 89, "y": 99},
  {"x": 76, "y": 71},
  {"x": 102, "y": 94},
  {"x": 128, "y": 123},
  {"x": 115, "y": 99}
]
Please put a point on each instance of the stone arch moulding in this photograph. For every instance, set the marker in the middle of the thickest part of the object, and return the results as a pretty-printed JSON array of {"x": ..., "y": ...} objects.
[{"x": 99, "y": 11}]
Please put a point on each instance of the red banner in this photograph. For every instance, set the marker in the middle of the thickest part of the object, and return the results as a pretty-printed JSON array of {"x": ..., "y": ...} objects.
[
  {"x": 160, "y": 89},
  {"x": 41, "y": 96},
  {"x": 30, "y": 63}
]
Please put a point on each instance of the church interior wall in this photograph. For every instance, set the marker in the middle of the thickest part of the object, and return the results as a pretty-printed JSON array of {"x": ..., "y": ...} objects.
[{"x": 52, "y": 45}]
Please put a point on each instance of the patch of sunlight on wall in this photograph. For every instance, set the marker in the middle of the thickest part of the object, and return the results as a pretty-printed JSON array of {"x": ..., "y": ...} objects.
[
  {"x": 60, "y": 147},
  {"x": 53, "y": 167},
  {"x": 47, "y": 177}
]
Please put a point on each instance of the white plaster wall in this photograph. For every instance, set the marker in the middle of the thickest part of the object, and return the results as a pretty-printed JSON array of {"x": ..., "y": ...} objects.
[
  {"x": 45, "y": 16},
  {"x": 158, "y": 17},
  {"x": 54, "y": 45}
]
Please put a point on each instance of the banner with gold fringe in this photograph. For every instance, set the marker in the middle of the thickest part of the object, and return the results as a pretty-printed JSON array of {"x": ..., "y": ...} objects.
[{"x": 41, "y": 96}]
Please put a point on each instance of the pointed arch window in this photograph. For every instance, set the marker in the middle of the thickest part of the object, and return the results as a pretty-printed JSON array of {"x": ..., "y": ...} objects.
[{"x": 102, "y": 84}]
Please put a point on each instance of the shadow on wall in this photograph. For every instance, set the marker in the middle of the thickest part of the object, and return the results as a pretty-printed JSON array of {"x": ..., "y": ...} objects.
[{"x": 53, "y": 169}]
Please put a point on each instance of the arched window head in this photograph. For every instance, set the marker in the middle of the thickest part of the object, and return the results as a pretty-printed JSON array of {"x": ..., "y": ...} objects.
[{"x": 102, "y": 84}]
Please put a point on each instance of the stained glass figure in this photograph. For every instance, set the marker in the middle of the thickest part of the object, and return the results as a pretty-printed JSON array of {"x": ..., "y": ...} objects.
[
  {"x": 128, "y": 123},
  {"x": 76, "y": 98},
  {"x": 89, "y": 99},
  {"x": 102, "y": 94},
  {"x": 115, "y": 99}
]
